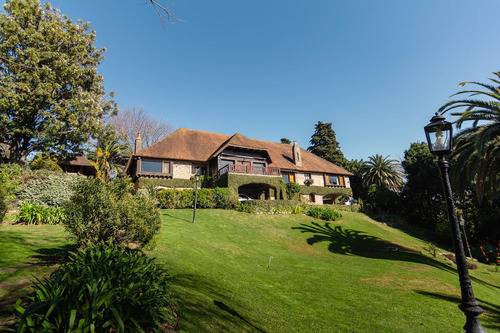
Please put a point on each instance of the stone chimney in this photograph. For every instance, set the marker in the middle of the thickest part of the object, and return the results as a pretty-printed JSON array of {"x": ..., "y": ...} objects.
[
  {"x": 138, "y": 143},
  {"x": 297, "y": 159}
]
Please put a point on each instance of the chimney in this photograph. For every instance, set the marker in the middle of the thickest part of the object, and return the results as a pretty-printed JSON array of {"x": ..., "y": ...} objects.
[
  {"x": 138, "y": 143},
  {"x": 297, "y": 159}
]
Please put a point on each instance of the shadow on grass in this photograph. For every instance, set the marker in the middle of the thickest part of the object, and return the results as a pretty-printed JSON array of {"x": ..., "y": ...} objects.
[
  {"x": 490, "y": 310},
  {"x": 177, "y": 218},
  {"x": 204, "y": 307},
  {"x": 17, "y": 276},
  {"x": 346, "y": 241}
]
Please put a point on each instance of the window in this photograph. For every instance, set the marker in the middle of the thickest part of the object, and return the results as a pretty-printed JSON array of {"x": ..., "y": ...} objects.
[
  {"x": 223, "y": 163},
  {"x": 260, "y": 165},
  {"x": 151, "y": 166},
  {"x": 333, "y": 180},
  {"x": 288, "y": 177},
  {"x": 307, "y": 176},
  {"x": 197, "y": 170}
]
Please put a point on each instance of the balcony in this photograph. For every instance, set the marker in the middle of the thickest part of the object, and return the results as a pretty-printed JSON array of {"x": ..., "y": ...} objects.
[
  {"x": 335, "y": 186},
  {"x": 249, "y": 170}
]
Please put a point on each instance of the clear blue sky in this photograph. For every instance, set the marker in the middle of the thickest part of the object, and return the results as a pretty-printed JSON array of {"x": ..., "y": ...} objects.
[{"x": 378, "y": 70}]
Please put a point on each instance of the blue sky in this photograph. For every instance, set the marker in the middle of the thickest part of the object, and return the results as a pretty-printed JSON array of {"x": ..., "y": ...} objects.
[{"x": 378, "y": 70}]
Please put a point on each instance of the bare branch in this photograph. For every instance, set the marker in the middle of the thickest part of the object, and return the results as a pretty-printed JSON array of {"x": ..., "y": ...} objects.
[
  {"x": 164, "y": 11},
  {"x": 133, "y": 120}
]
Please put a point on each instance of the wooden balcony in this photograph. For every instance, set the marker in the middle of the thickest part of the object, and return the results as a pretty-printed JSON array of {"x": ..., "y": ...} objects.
[{"x": 249, "y": 170}]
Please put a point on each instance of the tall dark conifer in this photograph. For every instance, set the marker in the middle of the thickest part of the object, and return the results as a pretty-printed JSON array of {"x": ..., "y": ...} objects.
[{"x": 324, "y": 144}]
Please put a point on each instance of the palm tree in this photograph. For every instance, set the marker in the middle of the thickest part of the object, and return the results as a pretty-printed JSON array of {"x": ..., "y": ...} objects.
[
  {"x": 382, "y": 171},
  {"x": 476, "y": 156},
  {"x": 107, "y": 153}
]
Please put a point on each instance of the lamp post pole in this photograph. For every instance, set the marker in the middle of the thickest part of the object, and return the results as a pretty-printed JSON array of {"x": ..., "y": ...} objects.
[
  {"x": 469, "y": 305},
  {"x": 439, "y": 134},
  {"x": 197, "y": 177}
]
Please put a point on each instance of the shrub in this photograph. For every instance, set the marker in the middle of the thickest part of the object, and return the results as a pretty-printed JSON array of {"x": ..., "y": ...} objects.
[
  {"x": 3, "y": 203},
  {"x": 224, "y": 198},
  {"x": 207, "y": 198},
  {"x": 273, "y": 206},
  {"x": 100, "y": 289},
  {"x": 244, "y": 207},
  {"x": 49, "y": 188},
  {"x": 44, "y": 161},
  {"x": 99, "y": 212},
  {"x": 291, "y": 190},
  {"x": 11, "y": 178},
  {"x": 327, "y": 214},
  {"x": 39, "y": 214}
]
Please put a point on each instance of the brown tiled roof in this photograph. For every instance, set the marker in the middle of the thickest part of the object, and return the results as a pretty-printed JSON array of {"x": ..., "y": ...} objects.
[
  {"x": 186, "y": 144},
  {"x": 200, "y": 146},
  {"x": 77, "y": 160}
]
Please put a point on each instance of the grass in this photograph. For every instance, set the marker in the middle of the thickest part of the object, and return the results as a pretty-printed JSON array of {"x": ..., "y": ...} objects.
[{"x": 236, "y": 272}]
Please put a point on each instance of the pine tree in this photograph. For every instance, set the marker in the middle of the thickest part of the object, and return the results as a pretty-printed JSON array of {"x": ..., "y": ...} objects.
[{"x": 324, "y": 144}]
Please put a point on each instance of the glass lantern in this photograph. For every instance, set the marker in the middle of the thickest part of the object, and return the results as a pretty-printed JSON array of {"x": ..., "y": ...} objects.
[{"x": 439, "y": 135}]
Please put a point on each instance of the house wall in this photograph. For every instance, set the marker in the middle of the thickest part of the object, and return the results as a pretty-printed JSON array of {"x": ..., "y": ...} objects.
[
  {"x": 182, "y": 170},
  {"x": 318, "y": 179},
  {"x": 347, "y": 182},
  {"x": 318, "y": 199}
]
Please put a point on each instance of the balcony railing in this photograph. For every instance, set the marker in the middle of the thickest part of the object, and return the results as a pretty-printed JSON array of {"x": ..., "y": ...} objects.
[
  {"x": 334, "y": 185},
  {"x": 248, "y": 169}
]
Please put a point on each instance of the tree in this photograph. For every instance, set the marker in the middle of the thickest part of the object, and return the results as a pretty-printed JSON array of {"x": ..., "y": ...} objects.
[
  {"x": 476, "y": 156},
  {"x": 286, "y": 141},
  {"x": 108, "y": 154},
  {"x": 52, "y": 97},
  {"x": 423, "y": 190},
  {"x": 356, "y": 167},
  {"x": 131, "y": 121},
  {"x": 382, "y": 171},
  {"x": 324, "y": 144}
]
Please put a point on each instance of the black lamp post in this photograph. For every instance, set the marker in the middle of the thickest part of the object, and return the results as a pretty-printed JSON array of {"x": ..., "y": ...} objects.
[
  {"x": 197, "y": 177},
  {"x": 439, "y": 138}
]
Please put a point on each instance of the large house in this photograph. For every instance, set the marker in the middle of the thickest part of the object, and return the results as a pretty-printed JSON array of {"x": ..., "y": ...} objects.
[{"x": 256, "y": 168}]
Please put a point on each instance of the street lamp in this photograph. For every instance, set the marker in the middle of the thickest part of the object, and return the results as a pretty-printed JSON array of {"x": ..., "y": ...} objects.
[
  {"x": 439, "y": 138},
  {"x": 197, "y": 177}
]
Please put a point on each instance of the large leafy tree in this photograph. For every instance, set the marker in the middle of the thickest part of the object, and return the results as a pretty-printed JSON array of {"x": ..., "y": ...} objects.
[
  {"x": 476, "y": 156},
  {"x": 356, "y": 167},
  {"x": 423, "y": 201},
  {"x": 382, "y": 171},
  {"x": 324, "y": 144},
  {"x": 51, "y": 95}
]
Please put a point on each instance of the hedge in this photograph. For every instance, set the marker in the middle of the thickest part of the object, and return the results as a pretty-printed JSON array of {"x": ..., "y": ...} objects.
[
  {"x": 207, "y": 198},
  {"x": 274, "y": 206}
]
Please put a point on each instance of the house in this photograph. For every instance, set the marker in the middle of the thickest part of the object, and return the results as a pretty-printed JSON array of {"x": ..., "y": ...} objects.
[
  {"x": 78, "y": 164},
  {"x": 260, "y": 169}
]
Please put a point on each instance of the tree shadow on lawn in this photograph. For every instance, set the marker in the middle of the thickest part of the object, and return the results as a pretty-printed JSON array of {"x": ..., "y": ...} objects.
[
  {"x": 15, "y": 283},
  {"x": 492, "y": 311},
  {"x": 204, "y": 307},
  {"x": 349, "y": 241}
]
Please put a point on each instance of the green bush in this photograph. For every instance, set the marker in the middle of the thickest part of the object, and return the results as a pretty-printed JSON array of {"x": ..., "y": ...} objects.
[
  {"x": 44, "y": 161},
  {"x": 100, "y": 289},
  {"x": 273, "y": 206},
  {"x": 292, "y": 189},
  {"x": 49, "y": 188},
  {"x": 3, "y": 203},
  {"x": 11, "y": 176},
  {"x": 224, "y": 198},
  {"x": 244, "y": 207},
  {"x": 327, "y": 214},
  {"x": 99, "y": 212},
  {"x": 39, "y": 214},
  {"x": 207, "y": 198}
]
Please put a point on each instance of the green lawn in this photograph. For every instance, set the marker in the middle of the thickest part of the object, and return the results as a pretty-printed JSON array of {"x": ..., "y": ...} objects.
[{"x": 356, "y": 275}]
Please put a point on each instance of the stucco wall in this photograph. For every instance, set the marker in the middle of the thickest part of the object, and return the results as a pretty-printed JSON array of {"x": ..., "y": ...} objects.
[
  {"x": 347, "y": 182},
  {"x": 316, "y": 177},
  {"x": 182, "y": 170}
]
